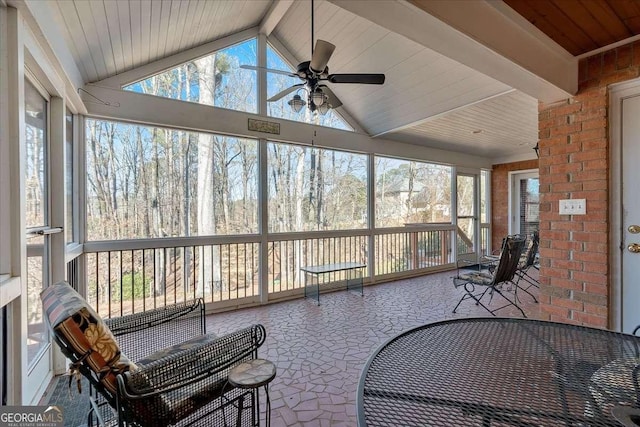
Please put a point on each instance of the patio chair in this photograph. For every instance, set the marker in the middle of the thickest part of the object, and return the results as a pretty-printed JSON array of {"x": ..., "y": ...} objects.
[
  {"x": 179, "y": 374},
  {"x": 527, "y": 261},
  {"x": 477, "y": 284}
]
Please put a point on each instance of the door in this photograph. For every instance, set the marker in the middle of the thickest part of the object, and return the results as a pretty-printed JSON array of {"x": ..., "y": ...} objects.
[
  {"x": 37, "y": 346},
  {"x": 467, "y": 216},
  {"x": 630, "y": 213},
  {"x": 525, "y": 199}
]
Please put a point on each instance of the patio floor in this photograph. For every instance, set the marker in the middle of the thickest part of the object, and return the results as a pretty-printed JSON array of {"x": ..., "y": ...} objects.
[{"x": 320, "y": 351}]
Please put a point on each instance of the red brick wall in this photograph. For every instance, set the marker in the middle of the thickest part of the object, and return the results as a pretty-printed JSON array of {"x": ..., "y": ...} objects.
[
  {"x": 574, "y": 164},
  {"x": 500, "y": 198}
]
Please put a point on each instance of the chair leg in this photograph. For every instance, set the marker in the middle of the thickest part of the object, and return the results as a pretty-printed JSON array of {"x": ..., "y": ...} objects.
[
  {"x": 240, "y": 410},
  {"x": 469, "y": 289},
  {"x": 477, "y": 297},
  {"x": 513, "y": 303},
  {"x": 521, "y": 276}
]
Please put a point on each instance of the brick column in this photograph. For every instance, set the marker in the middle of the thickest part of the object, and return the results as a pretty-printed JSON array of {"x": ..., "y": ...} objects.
[{"x": 574, "y": 164}]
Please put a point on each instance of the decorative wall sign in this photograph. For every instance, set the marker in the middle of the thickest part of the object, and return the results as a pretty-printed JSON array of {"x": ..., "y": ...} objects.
[{"x": 264, "y": 126}]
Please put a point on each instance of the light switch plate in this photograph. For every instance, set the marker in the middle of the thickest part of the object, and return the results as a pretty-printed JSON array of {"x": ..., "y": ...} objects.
[{"x": 573, "y": 207}]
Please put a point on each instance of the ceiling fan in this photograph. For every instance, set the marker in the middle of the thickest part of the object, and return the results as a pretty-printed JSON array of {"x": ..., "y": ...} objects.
[{"x": 314, "y": 74}]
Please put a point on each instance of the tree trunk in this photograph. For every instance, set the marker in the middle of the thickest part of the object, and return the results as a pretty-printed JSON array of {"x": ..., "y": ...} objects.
[
  {"x": 209, "y": 276},
  {"x": 156, "y": 214}
]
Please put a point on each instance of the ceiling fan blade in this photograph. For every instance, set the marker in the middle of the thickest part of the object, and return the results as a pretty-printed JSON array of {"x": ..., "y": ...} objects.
[
  {"x": 284, "y": 93},
  {"x": 369, "y": 79},
  {"x": 321, "y": 55},
  {"x": 332, "y": 99},
  {"x": 269, "y": 70}
]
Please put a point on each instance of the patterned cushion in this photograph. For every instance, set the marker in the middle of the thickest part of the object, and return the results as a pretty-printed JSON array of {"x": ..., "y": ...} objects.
[
  {"x": 77, "y": 325},
  {"x": 168, "y": 408},
  {"x": 478, "y": 277}
]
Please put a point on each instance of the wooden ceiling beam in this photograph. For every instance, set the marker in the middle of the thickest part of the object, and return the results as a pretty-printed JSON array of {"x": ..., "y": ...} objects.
[
  {"x": 273, "y": 17},
  {"x": 526, "y": 60}
]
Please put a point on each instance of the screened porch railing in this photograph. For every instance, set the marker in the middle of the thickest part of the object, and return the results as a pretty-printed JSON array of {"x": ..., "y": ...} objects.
[
  {"x": 132, "y": 276},
  {"x": 128, "y": 276},
  {"x": 288, "y": 253}
]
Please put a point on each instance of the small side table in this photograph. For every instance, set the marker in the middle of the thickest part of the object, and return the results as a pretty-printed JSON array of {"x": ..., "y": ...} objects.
[{"x": 252, "y": 375}]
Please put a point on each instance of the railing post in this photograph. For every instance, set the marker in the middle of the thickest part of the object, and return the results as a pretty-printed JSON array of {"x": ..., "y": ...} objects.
[
  {"x": 371, "y": 207},
  {"x": 414, "y": 251},
  {"x": 263, "y": 251},
  {"x": 444, "y": 246}
]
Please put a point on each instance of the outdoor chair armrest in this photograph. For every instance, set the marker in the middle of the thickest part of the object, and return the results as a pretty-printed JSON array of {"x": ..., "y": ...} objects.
[
  {"x": 140, "y": 321},
  {"x": 202, "y": 361}
]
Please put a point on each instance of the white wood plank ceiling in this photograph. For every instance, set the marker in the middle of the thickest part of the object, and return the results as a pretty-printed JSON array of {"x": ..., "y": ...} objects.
[
  {"x": 503, "y": 126},
  {"x": 420, "y": 83},
  {"x": 107, "y": 37},
  {"x": 427, "y": 98}
]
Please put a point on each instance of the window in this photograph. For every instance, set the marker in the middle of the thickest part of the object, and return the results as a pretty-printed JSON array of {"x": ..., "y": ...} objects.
[
  {"x": 282, "y": 110},
  {"x": 36, "y": 151},
  {"x": 485, "y": 200},
  {"x": 528, "y": 214},
  {"x": 315, "y": 189},
  {"x": 215, "y": 79},
  {"x": 485, "y": 197},
  {"x": 410, "y": 192},
  {"x": 149, "y": 182},
  {"x": 68, "y": 179},
  {"x": 37, "y": 214}
]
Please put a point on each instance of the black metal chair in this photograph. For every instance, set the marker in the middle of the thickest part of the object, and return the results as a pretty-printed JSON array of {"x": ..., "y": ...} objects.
[
  {"x": 477, "y": 284},
  {"x": 179, "y": 374},
  {"x": 527, "y": 261}
]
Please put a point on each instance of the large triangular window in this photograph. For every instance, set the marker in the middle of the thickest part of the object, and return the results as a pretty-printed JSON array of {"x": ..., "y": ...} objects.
[
  {"x": 281, "y": 108},
  {"x": 215, "y": 79}
]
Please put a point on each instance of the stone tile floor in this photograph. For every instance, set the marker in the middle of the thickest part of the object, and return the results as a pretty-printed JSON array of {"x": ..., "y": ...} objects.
[{"x": 319, "y": 351}]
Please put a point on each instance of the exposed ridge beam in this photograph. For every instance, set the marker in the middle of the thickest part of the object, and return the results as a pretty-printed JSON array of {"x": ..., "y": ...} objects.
[
  {"x": 152, "y": 110},
  {"x": 481, "y": 36},
  {"x": 155, "y": 67},
  {"x": 273, "y": 17}
]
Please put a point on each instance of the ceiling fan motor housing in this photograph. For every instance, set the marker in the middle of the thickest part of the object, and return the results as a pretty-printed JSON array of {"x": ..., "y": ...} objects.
[{"x": 305, "y": 72}]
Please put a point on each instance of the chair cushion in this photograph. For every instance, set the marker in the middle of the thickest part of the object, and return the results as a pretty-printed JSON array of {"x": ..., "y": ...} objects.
[
  {"x": 176, "y": 404},
  {"x": 176, "y": 349},
  {"x": 79, "y": 327},
  {"x": 477, "y": 277}
]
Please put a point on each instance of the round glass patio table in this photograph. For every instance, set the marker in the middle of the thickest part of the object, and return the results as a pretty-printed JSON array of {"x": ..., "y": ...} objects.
[{"x": 496, "y": 371}]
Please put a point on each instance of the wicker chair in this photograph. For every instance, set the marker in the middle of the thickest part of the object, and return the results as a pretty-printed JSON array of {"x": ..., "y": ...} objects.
[
  {"x": 477, "y": 284},
  {"x": 179, "y": 374}
]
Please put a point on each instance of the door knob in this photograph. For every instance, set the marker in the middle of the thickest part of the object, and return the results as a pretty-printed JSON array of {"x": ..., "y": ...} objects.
[
  {"x": 634, "y": 229},
  {"x": 634, "y": 247}
]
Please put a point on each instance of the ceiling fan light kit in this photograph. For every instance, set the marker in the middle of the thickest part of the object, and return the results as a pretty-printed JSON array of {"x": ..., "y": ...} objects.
[
  {"x": 323, "y": 109},
  {"x": 297, "y": 103},
  {"x": 317, "y": 97},
  {"x": 313, "y": 73}
]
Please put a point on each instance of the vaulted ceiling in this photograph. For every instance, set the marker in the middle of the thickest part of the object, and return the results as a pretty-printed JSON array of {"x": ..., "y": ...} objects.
[{"x": 438, "y": 92}]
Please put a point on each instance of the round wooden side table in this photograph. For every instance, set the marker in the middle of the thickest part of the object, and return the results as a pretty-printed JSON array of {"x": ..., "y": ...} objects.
[{"x": 252, "y": 375}]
